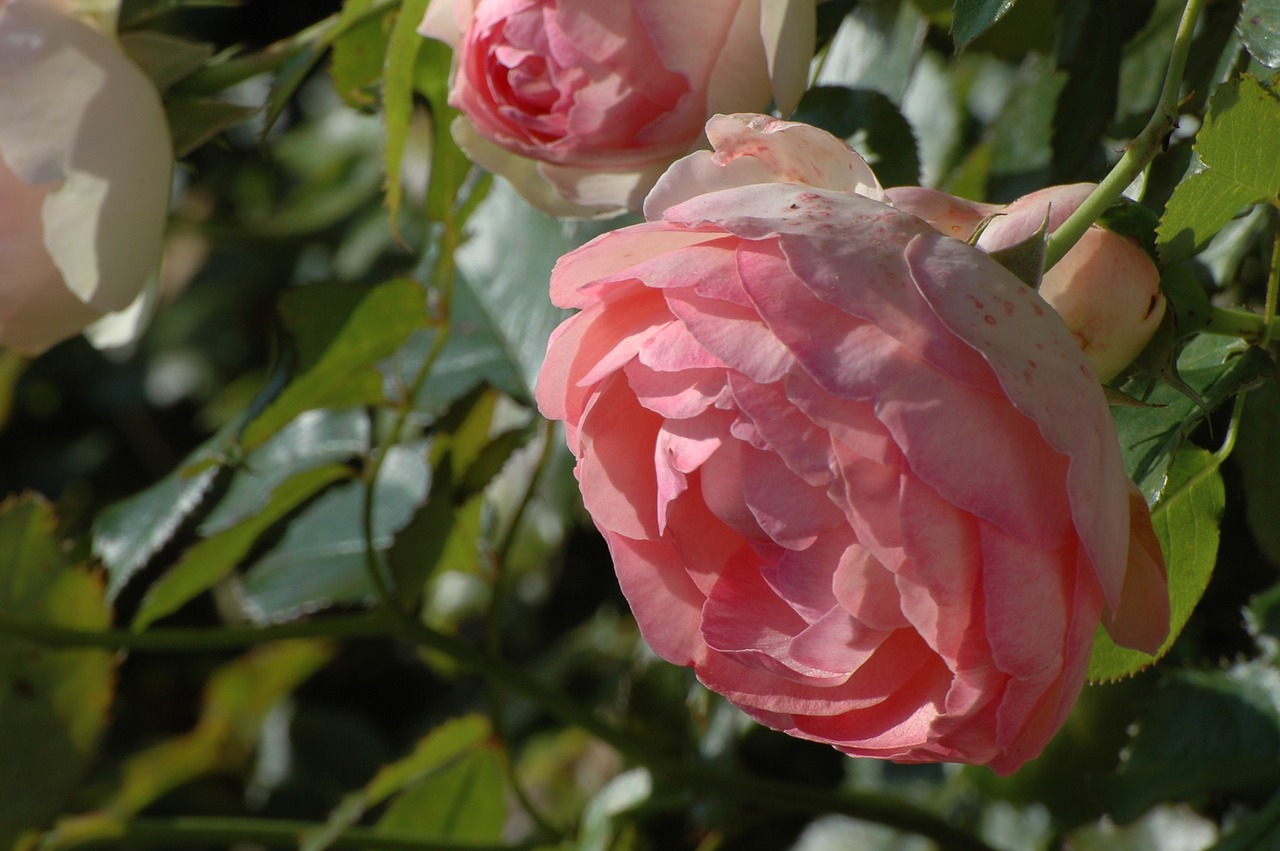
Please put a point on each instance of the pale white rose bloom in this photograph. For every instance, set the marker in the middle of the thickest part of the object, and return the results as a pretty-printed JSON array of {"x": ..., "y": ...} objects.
[{"x": 85, "y": 167}]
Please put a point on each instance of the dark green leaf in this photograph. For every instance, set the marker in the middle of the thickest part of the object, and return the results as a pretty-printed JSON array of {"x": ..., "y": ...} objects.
[
  {"x": 165, "y": 58},
  {"x": 345, "y": 375},
  {"x": 215, "y": 557},
  {"x": 1259, "y": 831},
  {"x": 1186, "y": 522},
  {"x": 196, "y": 120},
  {"x": 971, "y": 18},
  {"x": 1258, "y": 454},
  {"x": 1216, "y": 368},
  {"x": 1237, "y": 146},
  {"x": 1188, "y": 302},
  {"x": 871, "y": 120},
  {"x": 1205, "y": 732},
  {"x": 53, "y": 704},
  {"x": 129, "y": 533},
  {"x": 320, "y": 560},
  {"x": 1259, "y": 29}
]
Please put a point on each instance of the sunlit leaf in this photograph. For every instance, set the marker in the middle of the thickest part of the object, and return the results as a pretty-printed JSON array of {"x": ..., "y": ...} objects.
[
  {"x": 129, "y": 533},
  {"x": 435, "y": 753},
  {"x": 215, "y": 557},
  {"x": 875, "y": 49},
  {"x": 320, "y": 560},
  {"x": 397, "y": 96},
  {"x": 359, "y": 54},
  {"x": 53, "y": 703},
  {"x": 1236, "y": 145},
  {"x": 345, "y": 375},
  {"x": 465, "y": 802},
  {"x": 1186, "y": 522}
]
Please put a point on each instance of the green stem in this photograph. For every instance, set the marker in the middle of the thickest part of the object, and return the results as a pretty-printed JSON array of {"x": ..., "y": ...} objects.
[
  {"x": 1230, "y": 322},
  {"x": 188, "y": 832},
  {"x": 1139, "y": 152},
  {"x": 1273, "y": 291}
]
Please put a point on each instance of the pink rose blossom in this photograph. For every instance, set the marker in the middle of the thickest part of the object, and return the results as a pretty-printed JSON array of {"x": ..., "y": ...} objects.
[
  {"x": 85, "y": 163},
  {"x": 853, "y": 472},
  {"x": 583, "y": 104}
]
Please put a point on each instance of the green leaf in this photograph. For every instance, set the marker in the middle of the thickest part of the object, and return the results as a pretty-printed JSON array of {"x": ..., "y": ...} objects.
[
  {"x": 1216, "y": 368},
  {"x": 506, "y": 263},
  {"x": 314, "y": 439},
  {"x": 1254, "y": 832},
  {"x": 359, "y": 54},
  {"x": 1206, "y": 732},
  {"x": 53, "y": 704},
  {"x": 196, "y": 120},
  {"x": 237, "y": 698},
  {"x": 869, "y": 121},
  {"x": 971, "y": 18},
  {"x": 129, "y": 533},
  {"x": 464, "y": 803},
  {"x": 397, "y": 96},
  {"x": 345, "y": 375},
  {"x": 1237, "y": 147},
  {"x": 320, "y": 560},
  {"x": 1258, "y": 455},
  {"x": 1186, "y": 522},
  {"x": 166, "y": 59},
  {"x": 435, "y": 753},
  {"x": 875, "y": 49},
  {"x": 1259, "y": 29},
  {"x": 215, "y": 557}
]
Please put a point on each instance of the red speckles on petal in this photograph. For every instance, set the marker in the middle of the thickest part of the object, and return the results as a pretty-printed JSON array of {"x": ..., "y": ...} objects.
[{"x": 989, "y": 319}]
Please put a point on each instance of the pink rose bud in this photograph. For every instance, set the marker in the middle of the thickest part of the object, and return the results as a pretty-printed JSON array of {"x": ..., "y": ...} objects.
[
  {"x": 582, "y": 104},
  {"x": 85, "y": 165},
  {"x": 1106, "y": 289},
  {"x": 854, "y": 473}
]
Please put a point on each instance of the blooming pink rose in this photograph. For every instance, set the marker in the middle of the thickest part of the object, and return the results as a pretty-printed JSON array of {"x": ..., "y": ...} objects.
[
  {"x": 85, "y": 163},
  {"x": 852, "y": 471},
  {"x": 1106, "y": 289},
  {"x": 582, "y": 104}
]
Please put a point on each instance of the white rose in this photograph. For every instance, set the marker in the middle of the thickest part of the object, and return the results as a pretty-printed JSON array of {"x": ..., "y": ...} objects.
[{"x": 85, "y": 167}]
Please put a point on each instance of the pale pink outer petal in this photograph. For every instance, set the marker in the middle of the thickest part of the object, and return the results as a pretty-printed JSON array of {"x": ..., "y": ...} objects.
[
  {"x": 950, "y": 216},
  {"x": 789, "y": 30},
  {"x": 1023, "y": 217},
  {"x": 1004, "y": 320},
  {"x": 80, "y": 115},
  {"x": 740, "y": 81},
  {"x": 689, "y": 37},
  {"x": 528, "y": 179},
  {"x": 757, "y": 149},
  {"x": 447, "y": 20},
  {"x": 1142, "y": 620}
]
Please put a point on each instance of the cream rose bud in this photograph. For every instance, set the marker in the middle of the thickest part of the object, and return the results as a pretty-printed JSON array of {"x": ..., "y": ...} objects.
[
  {"x": 582, "y": 104},
  {"x": 85, "y": 168},
  {"x": 1106, "y": 289}
]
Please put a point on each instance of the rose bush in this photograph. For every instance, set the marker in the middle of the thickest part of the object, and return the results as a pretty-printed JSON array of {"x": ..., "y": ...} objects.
[
  {"x": 1106, "y": 288},
  {"x": 852, "y": 471},
  {"x": 583, "y": 104},
  {"x": 85, "y": 167}
]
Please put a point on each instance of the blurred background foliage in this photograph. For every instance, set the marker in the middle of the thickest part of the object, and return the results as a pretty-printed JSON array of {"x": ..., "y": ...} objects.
[{"x": 340, "y": 374}]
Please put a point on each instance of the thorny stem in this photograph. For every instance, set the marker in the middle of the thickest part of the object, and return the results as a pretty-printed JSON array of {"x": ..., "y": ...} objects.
[{"x": 1139, "y": 152}]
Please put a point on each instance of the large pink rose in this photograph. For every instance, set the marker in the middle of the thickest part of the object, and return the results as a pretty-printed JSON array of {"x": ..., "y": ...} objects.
[
  {"x": 85, "y": 163},
  {"x": 1106, "y": 289},
  {"x": 852, "y": 471},
  {"x": 583, "y": 104}
]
